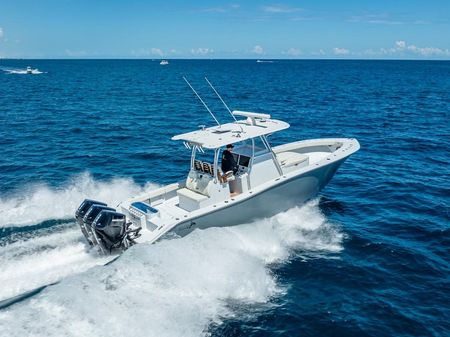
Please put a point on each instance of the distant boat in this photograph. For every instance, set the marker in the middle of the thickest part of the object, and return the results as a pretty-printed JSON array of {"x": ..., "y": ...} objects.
[
  {"x": 164, "y": 62},
  {"x": 20, "y": 71},
  {"x": 264, "y": 61}
]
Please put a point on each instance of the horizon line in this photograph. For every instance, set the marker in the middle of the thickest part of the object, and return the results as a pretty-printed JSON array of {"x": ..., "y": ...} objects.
[{"x": 219, "y": 59}]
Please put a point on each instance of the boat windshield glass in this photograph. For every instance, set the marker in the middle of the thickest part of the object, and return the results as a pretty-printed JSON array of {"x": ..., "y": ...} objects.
[
  {"x": 204, "y": 161},
  {"x": 206, "y": 156}
]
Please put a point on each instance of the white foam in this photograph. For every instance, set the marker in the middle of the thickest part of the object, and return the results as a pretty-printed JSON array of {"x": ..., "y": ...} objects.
[
  {"x": 176, "y": 287},
  {"x": 39, "y": 260},
  {"x": 39, "y": 202},
  {"x": 23, "y": 71}
]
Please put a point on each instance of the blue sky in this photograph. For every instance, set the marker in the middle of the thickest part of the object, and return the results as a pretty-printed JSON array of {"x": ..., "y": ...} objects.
[{"x": 221, "y": 29}]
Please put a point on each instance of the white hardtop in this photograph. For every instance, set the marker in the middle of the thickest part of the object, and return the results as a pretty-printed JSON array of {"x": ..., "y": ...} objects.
[{"x": 255, "y": 125}]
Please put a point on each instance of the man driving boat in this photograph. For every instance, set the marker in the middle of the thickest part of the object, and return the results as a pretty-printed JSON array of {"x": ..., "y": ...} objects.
[{"x": 228, "y": 162}]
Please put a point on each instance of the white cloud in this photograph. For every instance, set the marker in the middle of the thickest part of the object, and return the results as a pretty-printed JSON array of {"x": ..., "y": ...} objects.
[
  {"x": 258, "y": 50},
  {"x": 428, "y": 51},
  {"x": 379, "y": 19},
  {"x": 1, "y": 32},
  {"x": 202, "y": 51},
  {"x": 280, "y": 9},
  {"x": 145, "y": 52},
  {"x": 292, "y": 52},
  {"x": 156, "y": 51},
  {"x": 385, "y": 19},
  {"x": 385, "y": 22},
  {"x": 321, "y": 52},
  {"x": 400, "y": 44},
  {"x": 402, "y": 48},
  {"x": 341, "y": 51}
]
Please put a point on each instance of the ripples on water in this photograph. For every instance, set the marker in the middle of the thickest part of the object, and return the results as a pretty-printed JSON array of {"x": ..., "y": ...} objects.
[{"x": 369, "y": 257}]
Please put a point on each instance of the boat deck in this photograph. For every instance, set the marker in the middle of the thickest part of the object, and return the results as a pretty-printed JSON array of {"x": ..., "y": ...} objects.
[
  {"x": 171, "y": 210},
  {"x": 170, "y": 214},
  {"x": 315, "y": 157}
]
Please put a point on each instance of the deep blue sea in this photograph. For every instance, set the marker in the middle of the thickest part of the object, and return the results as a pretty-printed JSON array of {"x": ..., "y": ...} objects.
[{"x": 369, "y": 257}]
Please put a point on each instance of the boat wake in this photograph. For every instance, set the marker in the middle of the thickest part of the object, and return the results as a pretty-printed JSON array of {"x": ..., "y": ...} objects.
[
  {"x": 40, "y": 243},
  {"x": 37, "y": 203},
  {"x": 23, "y": 71},
  {"x": 175, "y": 287},
  {"x": 44, "y": 257}
]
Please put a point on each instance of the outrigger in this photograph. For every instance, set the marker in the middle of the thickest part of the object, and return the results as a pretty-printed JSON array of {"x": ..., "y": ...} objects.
[{"x": 269, "y": 180}]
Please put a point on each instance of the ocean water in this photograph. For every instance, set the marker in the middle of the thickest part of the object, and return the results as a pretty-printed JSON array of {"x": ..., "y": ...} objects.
[{"x": 368, "y": 257}]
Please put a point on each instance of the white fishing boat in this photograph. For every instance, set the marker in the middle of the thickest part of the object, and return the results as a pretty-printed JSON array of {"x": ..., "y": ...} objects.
[
  {"x": 266, "y": 180},
  {"x": 29, "y": 70},
  {"x": 164, "y": 62}
]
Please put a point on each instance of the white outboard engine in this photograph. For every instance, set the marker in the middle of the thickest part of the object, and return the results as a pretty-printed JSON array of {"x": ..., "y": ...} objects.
[{"x": 104, "y": 227}]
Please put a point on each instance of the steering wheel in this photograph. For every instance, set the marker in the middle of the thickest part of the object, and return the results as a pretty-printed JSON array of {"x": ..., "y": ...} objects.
[{"x": 227, "y": 176}]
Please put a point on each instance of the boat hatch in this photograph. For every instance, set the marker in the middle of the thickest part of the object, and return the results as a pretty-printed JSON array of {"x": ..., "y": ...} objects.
[
  {"x": 220, "y": 131},
  {"x": 145, "y": 208}
]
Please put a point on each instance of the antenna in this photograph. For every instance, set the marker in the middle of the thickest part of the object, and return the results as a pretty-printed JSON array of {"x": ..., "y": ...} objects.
[
  {"x": 204, "y": 104},
  {"x": 226, "y": 106}
]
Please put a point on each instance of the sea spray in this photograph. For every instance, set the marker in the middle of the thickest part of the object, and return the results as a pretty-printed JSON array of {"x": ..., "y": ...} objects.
[
  {"x": 38, "y": 202},
  {"x": 44, "y": 257},
  {"x": 22, "y": 71},
  {"x": 176, "y": 287}
]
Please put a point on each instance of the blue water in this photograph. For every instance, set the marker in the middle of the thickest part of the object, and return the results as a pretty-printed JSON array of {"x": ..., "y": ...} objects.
[{"x": 369, "y": 257}]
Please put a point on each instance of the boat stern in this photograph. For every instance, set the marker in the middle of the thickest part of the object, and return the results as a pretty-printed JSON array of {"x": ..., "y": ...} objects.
[{"x": 104, "y": 227}]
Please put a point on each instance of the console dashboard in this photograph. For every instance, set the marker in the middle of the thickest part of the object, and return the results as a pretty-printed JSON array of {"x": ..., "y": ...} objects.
[{"x": 242, "y": 161}]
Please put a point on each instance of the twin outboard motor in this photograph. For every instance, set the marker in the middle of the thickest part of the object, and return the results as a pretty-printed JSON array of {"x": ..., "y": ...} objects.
[{"x": 104, "y": 227}]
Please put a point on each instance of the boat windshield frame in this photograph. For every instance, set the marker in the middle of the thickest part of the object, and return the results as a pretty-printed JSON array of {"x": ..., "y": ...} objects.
[{"x": 253, "y": 153}]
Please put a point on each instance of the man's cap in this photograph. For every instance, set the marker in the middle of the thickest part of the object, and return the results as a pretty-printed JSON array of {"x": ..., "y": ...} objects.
[{"x": 230, "y": 146}]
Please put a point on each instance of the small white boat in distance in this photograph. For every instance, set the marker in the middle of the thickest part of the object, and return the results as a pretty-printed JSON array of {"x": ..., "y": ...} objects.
[
  {"x": 29, "y": 70},
  {"x": 265, "y": 181},
  {"x": 164, "y": 62}
]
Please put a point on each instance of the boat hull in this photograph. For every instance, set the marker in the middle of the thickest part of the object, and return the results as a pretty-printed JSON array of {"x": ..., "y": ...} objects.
[{"x": 288, "y": 193}]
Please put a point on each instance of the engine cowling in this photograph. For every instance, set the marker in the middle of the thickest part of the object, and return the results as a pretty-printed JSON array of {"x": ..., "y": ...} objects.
[
  {"x": 90, "y": 216},
  {"x": 110, "y": 228},
  {"x": 104, "y": 227},
  {"x": 80, "y": 213}
]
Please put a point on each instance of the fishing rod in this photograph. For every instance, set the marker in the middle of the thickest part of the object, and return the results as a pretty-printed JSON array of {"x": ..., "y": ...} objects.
[
  {"x": 221, "y": 99},
  {"x": 225, "y": 104},
  {"x": 204, "y": 104}
]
